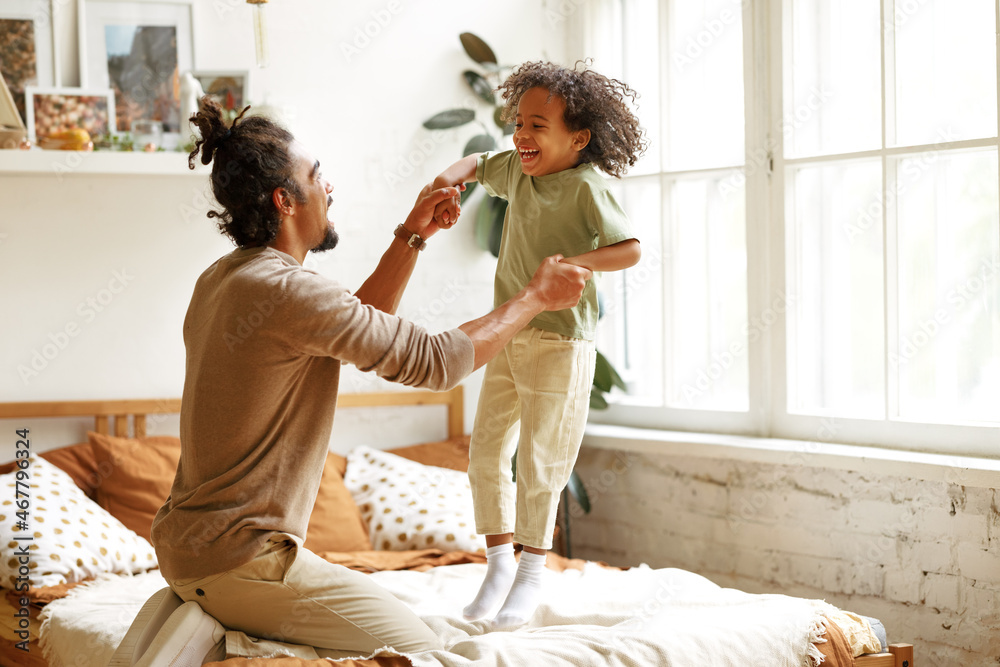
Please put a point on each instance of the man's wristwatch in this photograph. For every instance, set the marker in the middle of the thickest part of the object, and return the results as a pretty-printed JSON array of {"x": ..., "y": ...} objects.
[{"x": 413, "y": 240}]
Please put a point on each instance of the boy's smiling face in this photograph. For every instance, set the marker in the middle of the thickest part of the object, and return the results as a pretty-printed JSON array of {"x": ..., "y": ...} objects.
[{"x": 544, "y": 143}]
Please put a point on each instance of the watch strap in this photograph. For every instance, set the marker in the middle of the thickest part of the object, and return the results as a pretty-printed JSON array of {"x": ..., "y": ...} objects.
[{"x": 413, "y": 240}]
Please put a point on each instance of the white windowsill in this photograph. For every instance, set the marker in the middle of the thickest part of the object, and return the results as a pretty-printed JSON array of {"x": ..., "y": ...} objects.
[
  {"x": 67, "y": 163},
  {"x": 963, "y": 470}
]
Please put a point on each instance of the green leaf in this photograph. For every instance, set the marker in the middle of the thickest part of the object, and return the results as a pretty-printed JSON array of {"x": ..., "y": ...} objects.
[
  {"x": 477, "y": 49},
  {"x": 484, "y": 222},
  {"x": 597, "y": 400},
  {"x": 508, "y": 128},
  {"x": 479, "y": 144},
  {"x": 602, "y": 374},
  {"x": 480, "y": 86},
  {"x": 513, "y": 467},
  {"x": 496, "y": 230},
  {"x": 450, "y": 118},
  {"x": 615, "y": 378},
  {"x": 605, "y": 375},
  {"x": 579, "y": 492},
  {"x": 469, "y": 187}
]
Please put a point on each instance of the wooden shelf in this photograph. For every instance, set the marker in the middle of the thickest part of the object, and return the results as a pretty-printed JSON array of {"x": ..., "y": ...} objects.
[{"x": 68, "y": 163}]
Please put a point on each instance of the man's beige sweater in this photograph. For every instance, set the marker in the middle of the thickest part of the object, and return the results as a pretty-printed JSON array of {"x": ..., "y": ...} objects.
[{"x": 265, "y": 340}]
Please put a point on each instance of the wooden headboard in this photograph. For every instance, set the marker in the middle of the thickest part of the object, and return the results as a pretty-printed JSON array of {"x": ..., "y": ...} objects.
[{"x": 121, "y": 412}]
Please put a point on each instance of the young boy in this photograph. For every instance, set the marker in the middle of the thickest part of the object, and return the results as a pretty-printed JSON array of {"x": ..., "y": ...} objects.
[{"x": 567, "y": 122}]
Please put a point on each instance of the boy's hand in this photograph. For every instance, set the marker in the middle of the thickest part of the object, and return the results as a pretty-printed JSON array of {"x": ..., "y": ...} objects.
[
  {"x": 446, "y": 213},
  {"x": 421, "y": 219}
]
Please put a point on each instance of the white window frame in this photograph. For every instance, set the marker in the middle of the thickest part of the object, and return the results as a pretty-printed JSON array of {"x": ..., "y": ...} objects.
[{"x": 764, "y": 41}]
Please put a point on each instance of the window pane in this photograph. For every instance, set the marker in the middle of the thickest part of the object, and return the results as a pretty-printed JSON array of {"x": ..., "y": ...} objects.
[
  {"x": 833, "y": 95},
  {"x": 948, "y": 349},
  {"x": 946, "y": 74},
  {"x": 835, "y": 290},
  {"x": 704, "y": 115},
  {"x": 628, "y": 334},
  {"x": 642, "y": 74},
  {"x": 707, "y": 338}
]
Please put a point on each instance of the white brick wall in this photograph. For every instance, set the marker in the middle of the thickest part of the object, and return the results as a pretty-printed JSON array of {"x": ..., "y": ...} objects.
[{"x": 924, "y": 557}]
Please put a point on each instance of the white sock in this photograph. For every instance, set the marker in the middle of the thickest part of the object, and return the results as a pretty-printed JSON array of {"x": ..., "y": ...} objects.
[
  {"x": 501, "y": 567},
  {"x": 525, "y": 593}
]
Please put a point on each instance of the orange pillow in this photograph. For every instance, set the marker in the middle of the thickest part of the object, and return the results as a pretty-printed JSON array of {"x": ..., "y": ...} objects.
[
  {"x": 135, "y": 476},
  {"x": 336, "y": 523}
]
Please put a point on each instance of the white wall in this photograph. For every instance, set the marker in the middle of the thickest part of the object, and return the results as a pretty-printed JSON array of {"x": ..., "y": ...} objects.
[{"x": 356, "y": 100}]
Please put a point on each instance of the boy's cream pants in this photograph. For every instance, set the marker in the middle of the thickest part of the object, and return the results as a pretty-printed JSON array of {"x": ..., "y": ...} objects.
[
  {"x": 291, "y": 596},
  {"x": 542, "y": 380}
]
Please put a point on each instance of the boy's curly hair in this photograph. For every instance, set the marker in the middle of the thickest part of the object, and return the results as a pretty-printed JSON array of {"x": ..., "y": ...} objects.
[{"x": 593, "y": 102}]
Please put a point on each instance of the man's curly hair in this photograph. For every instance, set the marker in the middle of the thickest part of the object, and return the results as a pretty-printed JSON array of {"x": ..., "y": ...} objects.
[
  {"x": 251, "y": 160},
  {"x": 593, "y": 102}
]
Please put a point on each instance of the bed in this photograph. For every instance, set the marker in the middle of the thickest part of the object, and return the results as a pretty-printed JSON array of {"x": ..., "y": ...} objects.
[{"x": 79, "y": 605}]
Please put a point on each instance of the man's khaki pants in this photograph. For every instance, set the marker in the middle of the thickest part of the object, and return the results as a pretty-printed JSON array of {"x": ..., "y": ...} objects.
[{"x": 290, "y": 595}]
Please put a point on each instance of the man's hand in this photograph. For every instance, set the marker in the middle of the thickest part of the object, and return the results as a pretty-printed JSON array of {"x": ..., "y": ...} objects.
[
  {"x": 421, "y": 219},
  {"x": 557, "y": 284}
]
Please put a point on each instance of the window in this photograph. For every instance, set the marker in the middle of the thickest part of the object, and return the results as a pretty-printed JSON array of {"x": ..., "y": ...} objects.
[{"x": 819, "y": 216}]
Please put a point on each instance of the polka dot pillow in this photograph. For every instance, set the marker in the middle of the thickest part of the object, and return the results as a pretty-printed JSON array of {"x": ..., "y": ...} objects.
[
  {"x": 71, "y": 537},
  {"x": 412, "y": 506}
]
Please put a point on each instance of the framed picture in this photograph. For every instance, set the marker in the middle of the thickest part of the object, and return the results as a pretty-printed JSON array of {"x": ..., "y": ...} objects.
[
  {"x": 231, "y": 89},
  {"x": 27, "y": 51},
  {"x": 52, "y": 110},
  {"x": 138, "y": 48}
]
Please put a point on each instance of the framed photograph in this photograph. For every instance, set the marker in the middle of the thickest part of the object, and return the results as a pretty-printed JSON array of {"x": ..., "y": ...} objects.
[
  {"x": 231, "y": 89},
  {"x": 52, "y": 110},
  {"x": 138, "y": 48},
  {"x": 27, "y": 48}
]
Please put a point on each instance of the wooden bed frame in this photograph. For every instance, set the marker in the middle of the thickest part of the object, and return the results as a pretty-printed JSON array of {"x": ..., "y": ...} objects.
[{"x": 134, "y": 412}]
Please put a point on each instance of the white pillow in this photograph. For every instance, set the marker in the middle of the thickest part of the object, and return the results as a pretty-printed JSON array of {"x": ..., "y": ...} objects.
[
  {"x": 72, "y": 537},
  {"x": 408, "y": 505}
]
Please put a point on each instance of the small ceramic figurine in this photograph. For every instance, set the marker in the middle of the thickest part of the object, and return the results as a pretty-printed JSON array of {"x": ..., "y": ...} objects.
[{"x": 191, "y": 92}]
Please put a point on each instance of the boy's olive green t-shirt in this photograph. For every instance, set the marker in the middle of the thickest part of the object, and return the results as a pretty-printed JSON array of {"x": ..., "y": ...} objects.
[{"x": 570, "y": 212}]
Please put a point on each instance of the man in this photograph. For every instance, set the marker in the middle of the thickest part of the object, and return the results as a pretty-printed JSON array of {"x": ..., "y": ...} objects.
[{"x": 265, "y": 339}]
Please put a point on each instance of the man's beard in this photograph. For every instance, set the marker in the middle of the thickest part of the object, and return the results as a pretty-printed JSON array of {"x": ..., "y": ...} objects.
[{"x": 329, "y": 242}]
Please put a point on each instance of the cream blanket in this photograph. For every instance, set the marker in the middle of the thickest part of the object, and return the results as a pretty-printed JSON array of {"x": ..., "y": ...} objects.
[{"x": 595, "y": 617}]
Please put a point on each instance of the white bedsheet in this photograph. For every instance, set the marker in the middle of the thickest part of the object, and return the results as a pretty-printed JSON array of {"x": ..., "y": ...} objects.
[{"x": 601, "y": 617}]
